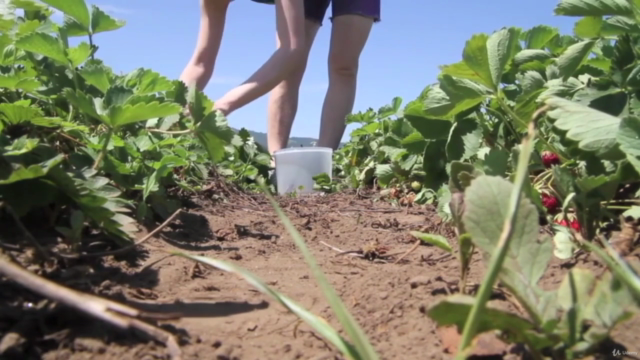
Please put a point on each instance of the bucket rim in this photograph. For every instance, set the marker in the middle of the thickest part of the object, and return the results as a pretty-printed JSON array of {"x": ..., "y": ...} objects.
[{"x": 304, "y": 149}]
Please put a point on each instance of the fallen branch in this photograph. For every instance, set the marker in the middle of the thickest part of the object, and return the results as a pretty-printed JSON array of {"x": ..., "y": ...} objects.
[
  {"x": 339, "y": 251},
  {"x": 122, "y": 316},
  {"x": 374, "y": 254}
]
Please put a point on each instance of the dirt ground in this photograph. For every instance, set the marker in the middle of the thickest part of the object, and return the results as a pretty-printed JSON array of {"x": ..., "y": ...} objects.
[{"x": 225, "y": 318}]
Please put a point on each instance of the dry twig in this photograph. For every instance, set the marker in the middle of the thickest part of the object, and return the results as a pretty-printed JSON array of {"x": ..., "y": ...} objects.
[
  {"x": 340, "y": 252},
  {"x": 119, "y": 315},
  {"x": 412, "y": 249}
]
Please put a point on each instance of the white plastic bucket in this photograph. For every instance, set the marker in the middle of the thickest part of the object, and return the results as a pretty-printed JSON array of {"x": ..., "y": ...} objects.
[{"x": 296, "y": 167}]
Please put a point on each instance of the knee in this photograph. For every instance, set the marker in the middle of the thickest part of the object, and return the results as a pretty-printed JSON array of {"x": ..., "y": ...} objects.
[
  {"x": 292, "y": 59},
  {"x": 342, "y": 67},
  {"x": 295, "y": 57}
]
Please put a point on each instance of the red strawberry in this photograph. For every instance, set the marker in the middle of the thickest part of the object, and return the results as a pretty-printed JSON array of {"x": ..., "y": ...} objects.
[
  {"x": 550, "y": 202},
  {"x": 575, "y": 225},
  {"x": 549, "y": 159}
]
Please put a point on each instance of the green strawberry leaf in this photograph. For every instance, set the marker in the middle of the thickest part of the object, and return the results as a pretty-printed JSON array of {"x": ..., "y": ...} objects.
[
  {"x": 85, "y": 104},
  {"x": 464, "y": 140},
  {"x": 476, "y": 57},
  {"x": 573, "y": 58},
  {"x": 120, "y": 115},
  {"x": 427, "y": 127},
  {"x": 214, "y": 133},
  {"x": 593, "y": 8},
  {"x": 102, "y": 22},
  {"x": 486, "y": 208},
  {"x": 538, "y": 37},
  {"x": 43, "y": 44},
  {"x": 20, "y": 172},
  {"x": 97, "y": 75},
  {"x": 18, "y": 81},
  {"x": 594, "y": 130},
  {"x": 75, "y": 9},
  {"x": 588, "y": 27},
  {"x": 529, "y": 55},
  {"x": 79, "y": 54}
]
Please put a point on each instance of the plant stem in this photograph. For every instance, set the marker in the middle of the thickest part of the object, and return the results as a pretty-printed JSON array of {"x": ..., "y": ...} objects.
[
  {"x": 508, "y": 110},
  {"x": 500, "y": 253},
  {"x": 506, "y": 123},
  {"x": 542, "y": 177},
  {"x": 618, "y": 207},
  {"x": 91, "y": 46},
  {"x": 76, "y": 83},
  {"x": 71, "y": 110},
  {"x": 60, "y": 133},
  {"x": 103, "y": 151},
  {"x": 515, "y": 116},
  {"x": 621, "y": 201}
]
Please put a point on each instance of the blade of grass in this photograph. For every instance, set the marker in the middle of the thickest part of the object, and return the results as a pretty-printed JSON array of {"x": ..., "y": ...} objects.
[
  {"x": 356, "y": 334},
  {"x": 316, "y": 322},
  {"x": 500, "y": 253}
]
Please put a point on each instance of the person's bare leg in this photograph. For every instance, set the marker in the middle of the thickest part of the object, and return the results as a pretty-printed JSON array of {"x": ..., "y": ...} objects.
[
  {"x": 290, "y": 28},
  {"x": 198, "y": 71},
  {"x": 349, "y": 35},
  {"x": 283, "y": 100}
]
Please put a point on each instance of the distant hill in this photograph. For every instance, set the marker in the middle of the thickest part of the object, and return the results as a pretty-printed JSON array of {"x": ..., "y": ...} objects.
[{"x": 261, "y": 138}]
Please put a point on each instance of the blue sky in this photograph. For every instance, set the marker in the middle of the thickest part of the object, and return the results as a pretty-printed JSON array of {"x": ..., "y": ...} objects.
[{"x": 401, "y": 57}]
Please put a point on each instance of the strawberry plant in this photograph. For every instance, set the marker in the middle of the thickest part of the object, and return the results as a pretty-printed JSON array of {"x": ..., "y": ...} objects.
[
  {"x": 462, "y": 139},
  {"x": 580, "y": 93},
  {"x": 375, "y": 150},
  {"x": 80, "y": 144},
  {"x": 582, "y": 89},
  {"x": 245, "y": 161},
  {"x": 581, "y": 299},
  {"x": 564, "y": 323}
]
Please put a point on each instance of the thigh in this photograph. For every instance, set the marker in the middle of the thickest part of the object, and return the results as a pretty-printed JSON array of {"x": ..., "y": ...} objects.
[
  {"x": 214, "y": 5},
  {"x": 349, "y": 35},
  {"x": 310, "y": 31},
  {"x": 367, "y": 8},
  {"x": 290, "y": 23}
]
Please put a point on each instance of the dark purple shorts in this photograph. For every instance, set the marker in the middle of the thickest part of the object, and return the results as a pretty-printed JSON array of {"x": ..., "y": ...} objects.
[{"x": 315, "y": 10}]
